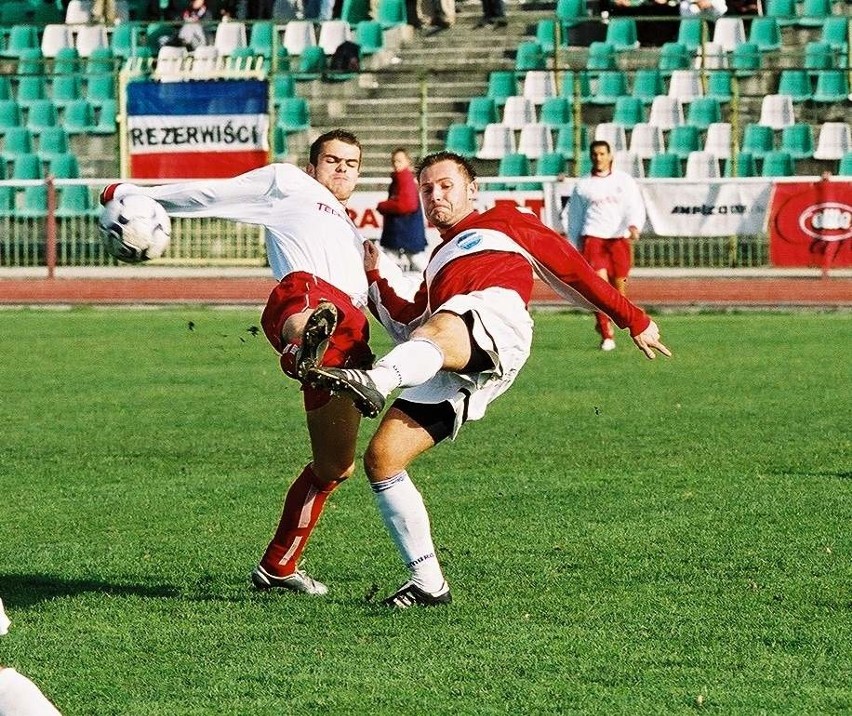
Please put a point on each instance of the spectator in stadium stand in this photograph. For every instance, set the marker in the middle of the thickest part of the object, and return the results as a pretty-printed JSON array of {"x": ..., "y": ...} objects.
[
  {"x": 708, "y": 9},
  {"x": 649, "y": 32},
  {"x": 493, "y": 13},
  {"x": 605, "y": 213},
  {"x": 104, "y": 11},
  {"x": 404, "y": 229},
  {"x": 461, "y": 341},
  {"x": 260, "y": 9},
  {"x": 313, "y": 315},
  {"x": 191, "y": 33},
  {"x": 439, "y": 14}
]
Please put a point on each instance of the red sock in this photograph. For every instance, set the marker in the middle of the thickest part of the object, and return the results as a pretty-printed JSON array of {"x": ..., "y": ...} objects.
[
  {"x": 604, "y": 327},
  {"x": 302, "y": 507}
]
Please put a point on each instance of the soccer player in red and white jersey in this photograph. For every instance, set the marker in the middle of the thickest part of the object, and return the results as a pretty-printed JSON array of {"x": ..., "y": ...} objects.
[
  {"x": 461, "y": 342},
  {"x": 606, "y": 213},
  {"x": 315, "y": 313}
]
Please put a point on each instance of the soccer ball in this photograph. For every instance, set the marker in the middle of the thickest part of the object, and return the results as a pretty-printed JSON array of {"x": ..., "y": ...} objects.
[{"x": 135, "y": 228}]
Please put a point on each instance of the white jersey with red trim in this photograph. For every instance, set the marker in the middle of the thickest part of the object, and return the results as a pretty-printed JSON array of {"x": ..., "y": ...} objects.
[
  {"x": 605, "y": 206},
  {"x": 306, "y": 227}
]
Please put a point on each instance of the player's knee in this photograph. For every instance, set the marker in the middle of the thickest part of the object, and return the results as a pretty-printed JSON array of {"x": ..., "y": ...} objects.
[
  {"x": 380, "y": 461},
  {"x": 330, "y": 471}
]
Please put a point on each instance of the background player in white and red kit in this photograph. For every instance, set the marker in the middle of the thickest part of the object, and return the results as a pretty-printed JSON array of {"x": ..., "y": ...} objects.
[
  {"x": 462, "y": 341},
  {"x": 606, "y": 213},
  {"x": 316, "y": 254}
]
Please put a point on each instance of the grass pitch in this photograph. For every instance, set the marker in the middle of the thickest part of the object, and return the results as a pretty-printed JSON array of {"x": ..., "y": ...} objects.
[{"x": 621, "y": 536}]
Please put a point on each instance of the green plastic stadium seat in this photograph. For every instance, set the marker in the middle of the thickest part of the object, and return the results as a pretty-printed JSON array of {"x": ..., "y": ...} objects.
[
  {"x": 79, "y": 117},
  {"x": 6, "y": 88},
  {"x": 15, "y": 11},
  {"x": 665, "y": 166},
  {"x": 7, "y": 197},
  {"x": 502, "y": 84},
  {"x": 796, "y": 84},
  {"x": 52, "y": 142},
  {"x": 126, "y": 38},
  {"x": 75, "y": 200},
  {"x": 101, "y": 61},
  {"x": 814, "y": 12},
  {"x": 777, "y": 164},
  {"x": 835, "y": 32},
  {"x": 42, "y": 113},
  {"x": 10, "y": 115},
  {"x": 628, "y": 112},
  {"x": 391, "y": 13},
  {"x": 556, "y": 111},
  {"x": 744, "y": 165},
  {"x": 765, "y": 33},
  {"x": 548, "y": 34},
  {"x": 529, "y": 56},
  {"x": 684, "y": 139},
  {"x": 704, "y": 111},
  {"x": 21, "y": 37},
  {"x": 798, "y": 140},
  {"x": 572, "y": 12},
  {"x": 262, "y": 39},
  {"x": 27, "y": 166},
  {"x": 514, "y": 165},
  {"x": 576, "y": 85},
  {"x": 481, "y": 111},
  {"x": 65, "y": 89},
  {"x": 281, "y": 145},
  {"x": 312, "y": 64},
  {"x": 758, "y": 140},
  {"x": 107, "y": 118},
  {"x": 689, "y": 33},
  {"x": 30, "y": 62},
  {"x": 845, "y": 168},
  {"x": 720, "y": 85},
  {"x": 601, "y": 57},
  {"x": 647, "y": 84},
  {"x": 461, "y": 139},
  {"x": 370, "y": 37},
  {"x": 355, "y": 11},
  {"x": 745, "y": 59},
  {"x": 570, "y": 140},
  {"x": 100, "y": 89},
  {"x": 784, "y": 11},
  {"x": 67, "y": 61},
  {"x": 819, "y": 56},
  {"x": 18, "y": 141},
  {"x": 610, "y": 86},
  {"x": 550, "y": 164},
  {"x": 294, "y": 115},
  {"x": 283, "y": 87},
  {"x": 31, "y": 88},
  {"x": 64, "y": 166},
  {"x": 831, "y": 86},
  {"x": 34, "y": 202},
  {"x": 621, "y": 33},
  {"x": 673, "y": 56}
]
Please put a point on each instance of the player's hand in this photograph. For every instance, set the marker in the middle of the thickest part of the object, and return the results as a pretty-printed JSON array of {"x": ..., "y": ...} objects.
[
  {"x": 371, "y": 256},
  {"x": 648, "y": 341}
]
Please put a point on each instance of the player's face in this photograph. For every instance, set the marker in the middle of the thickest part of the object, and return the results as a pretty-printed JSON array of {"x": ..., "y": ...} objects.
[
  {"x": 337, "y": 169},
  {"x": 601, "y": 159},
  {"x": 446, "y": 194}
]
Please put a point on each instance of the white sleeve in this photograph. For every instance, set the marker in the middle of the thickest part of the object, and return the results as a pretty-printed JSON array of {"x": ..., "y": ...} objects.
[{"x": 636, "y": 206}]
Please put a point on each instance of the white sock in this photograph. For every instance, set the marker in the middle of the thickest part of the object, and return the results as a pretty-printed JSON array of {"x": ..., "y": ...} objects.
[
  {"x": 405, "y": 517},
  {"x": 21, "y": 697},
  {"x": 410, "y": 363}
]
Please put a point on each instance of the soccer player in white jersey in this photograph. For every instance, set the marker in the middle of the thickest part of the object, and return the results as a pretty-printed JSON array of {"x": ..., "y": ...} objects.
[
  {"x": 462, "y": 340},
  {"x": 606, "y": 213},
  {"x": 315, "y": 313}
]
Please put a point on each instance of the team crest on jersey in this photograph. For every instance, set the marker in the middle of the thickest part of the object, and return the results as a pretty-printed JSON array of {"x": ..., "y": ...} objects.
[{"x": 468, "y": 242}]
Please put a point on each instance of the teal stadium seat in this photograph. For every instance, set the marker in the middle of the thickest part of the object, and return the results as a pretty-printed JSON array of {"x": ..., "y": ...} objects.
[
  {"x": 628, "y": 112},
  {"x": 370, "y": 37},
  {"x": 283, "y": 87},
  {"x": 102, "y": 60},
  {"x": 673, "y": 56},
  {"x": 107, "y": 118},
  {"x": 704, "y": 111},
  {"x": 65, "y": 89},
  {"x": 571, "y": 140},
  {"x": 27, "y": 166},
  {"x": 34, "y": 205},
  {"x": 576, "y": 85},
  {"x": 572, "y": 12},
  {"x": 743, "y": 165},
  {"x": 461, "y": 139},
  {"x": 52, "y": 142},
  {"x": 550, "y": 164},
  {"x": 784, "y": 11},
  {"x": 515, "y": 165},
  {"x": 610, "y": 86},
  {"x": 845, "y": 168},
  {"x": 601, "y": 57},
  {"x": 556, "y": 111},
  {"x": 502, "y": 84},
  {"x": 20, "y": 37},
  {"x": 294, "y": 115},
  {"x": 42, "y": 113},
  {"x": 835, "y": 31},
  {"x": 280, "y": 144},
  {"x": 262, "y": 39},
  {"x": 548, "y": 34},
  {"x": 126, "y": 39},
  {"x": 665, "y": 166},
  {"x": 15, "y": 11},
  {"x": 75, "y": 201},
  {"x": 355, "y": 11},
  {"x": 796, "y": 84},
  {"x": 67, "y": 61},
  {"x": 819, "y": 56},
  {"x": 814, "y": 12},
  {"x": 17, "y": 141},
  {"x": 647, "y": 84},
  {"x": 64, "y": 166},
  {"x": 100, "y": 89},
  {"x": 798, "y": 140},
  {"x": 689, "y": 33},
  {"x": 765, "y": 32},
  {"x": 832, "y": 86},
  {"x": 745, "y": 59},
  {"x": 10, "y": 115},
  {"x": 720, "y": 85},
  {"x": 777, "y": 164},
  {"x": 6, "y": 88},
  {"x": 31, "y": 62},
  {"x": 391, "y": 13},
  {"x": 621, "y": 33},
  {"x": 79, "y": 117},
  {"x": 312, "y": 64},
  {"x": 481, "y": 111},
  {"x": 684, "y": 139},
  {"x": 31, "y": 88},
  {"x": 7, "y": 196},
  {"x": 758, "y": 140},
  {"x": 529, "y": 56}
]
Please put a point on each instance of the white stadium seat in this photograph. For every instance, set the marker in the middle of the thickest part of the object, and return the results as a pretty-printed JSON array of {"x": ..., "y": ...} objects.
[{"x": 498, "y": 140}]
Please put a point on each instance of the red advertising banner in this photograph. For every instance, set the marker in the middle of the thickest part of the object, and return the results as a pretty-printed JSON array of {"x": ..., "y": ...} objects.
[{"x": 810, "y": 224}]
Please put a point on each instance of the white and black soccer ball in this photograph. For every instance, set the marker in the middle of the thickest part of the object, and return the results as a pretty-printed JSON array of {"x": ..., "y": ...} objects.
[{"x": 135, "y": 228}]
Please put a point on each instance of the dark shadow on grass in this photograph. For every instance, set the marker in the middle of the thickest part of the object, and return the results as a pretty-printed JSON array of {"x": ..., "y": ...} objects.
[
  {"x": 833, "y": 474},
  {"x": 26, "y": 590}
]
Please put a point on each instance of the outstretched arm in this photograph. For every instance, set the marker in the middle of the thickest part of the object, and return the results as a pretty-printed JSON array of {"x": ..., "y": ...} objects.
[{"x": 649, "y": 341}]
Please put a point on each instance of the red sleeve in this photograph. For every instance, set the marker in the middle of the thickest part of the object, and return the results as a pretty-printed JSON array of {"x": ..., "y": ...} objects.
[
  {"x": 401, "y": 310},
  {"x": 403, "y": 195},
  {"x": 568, "y": 266}
]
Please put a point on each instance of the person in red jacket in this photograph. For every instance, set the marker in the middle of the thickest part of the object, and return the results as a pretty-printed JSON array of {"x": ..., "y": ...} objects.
[
  {"x": 462, "y": 340},
  {"x": 404, "y": 229}
]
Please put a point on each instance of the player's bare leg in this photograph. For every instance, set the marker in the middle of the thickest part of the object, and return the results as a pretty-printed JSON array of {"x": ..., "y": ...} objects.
[
  {"x": 305, "y": 335},
  {"x": 397, "y": 442}
]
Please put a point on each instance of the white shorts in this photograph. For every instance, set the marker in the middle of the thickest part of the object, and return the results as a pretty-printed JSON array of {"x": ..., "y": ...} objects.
[{"x": 502, "y": 327}]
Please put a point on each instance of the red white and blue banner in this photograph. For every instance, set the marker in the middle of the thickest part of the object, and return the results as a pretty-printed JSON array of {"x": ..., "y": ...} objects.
[{"x": 197, "y": 129}]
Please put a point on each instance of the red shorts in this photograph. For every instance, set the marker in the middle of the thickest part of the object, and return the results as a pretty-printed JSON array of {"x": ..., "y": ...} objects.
[
  {"x": 348, "y": 346},
  {"x": 613, "y": 255}
]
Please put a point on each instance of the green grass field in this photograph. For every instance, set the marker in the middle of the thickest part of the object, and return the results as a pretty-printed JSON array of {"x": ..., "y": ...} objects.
[{"x": 622, "y": 536}]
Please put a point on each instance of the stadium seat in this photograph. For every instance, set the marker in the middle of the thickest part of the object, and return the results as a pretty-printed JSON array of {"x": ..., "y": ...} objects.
[
  {"x": 845, "y": 168},
  {"x": 283, "y": 87},
  {"x": 720, "y": 86},
  {"x": 548, "y": 35},
  {"x": 78, "y": 12},
  {"x": 571, "y": 139},
  {"x": 765, "y": 32},
  {"x": 613, "y": 134},
  {"x": 576, "y": 85},
  {"x": 664, "y": 166},
  {"x": 66, "y": 61},
  {"x": 497, "y": 141},
  {"x": 834, "y": 140},
  {"x": 711, "y": 57},
  {"x": 819, "y": 56},
  {"x": 280, "y": 144},
  {"x": 629, "y": 163},
  {"x": 628, "y": 112},
  {"x": 205, "y": 61},
  {"x": 743, "y": 165},
  {"x": 666, "y": 112},
  {"x": 262, "y": 39},
  {"x": 6, "y": 88},
  {"x": 831, "y": 86},
  {"x": 689, "y": 33},
  {"x": 481, "y": 111},
  {"x": 646, "y": 140},
  {"x": 777, "y": 164},
  {"x": 64, "y": 166},
  {"x": 230, "y": 36},
  {"x": 370, "y": 37},
  {"x": 13, "y": 12},
  {"x": 798, "y": 140},
  {"x": 107, "y": 118},
  {"x": 170, "y": 63},
  {"x": 758, "y": 140},
  {"x": 571, "y": 12},
  {"x": 75, "y": 200},
  {"x": 718, "y": 139},
  {"x": 514, "y": 165},
  {"x": 729, "y": 32},
  {"x": 332, "y": 33},
  {"x": 101, "y": 61},
  {"x": 601, "y": 57},
  {"x": 814, "y": 12},
  {"x": 746, "y": 60},
  {"x": 18, "y": 141},
  {"x": 10, "y": 115},
  {"x": 42, "y": 113},
  {"x": 550, "y": 164},
  {"x": 673, "y": 56},
  {"x": 529, "y": 56},
  {"x": 518, "y": 111},
  {"x": 621, "y": 33},
  {"x": 7, "y": 197},
  {"x": 125, "y": 40},
  {"x": 31, "y": 88},
  {"x": 355, "y": 11},
  {"x": 776, "y": 111},
  {"x": 796, "y": 84},
  {"x": 556, "y": 111},
  {"x": 20, "y": 38},
  {"x": 312, "y": 64},
  {"x": 647, "y": 84},
  {"x": 610, "y": 86},
  {"x": 100, "y": 89},
  {"x": 298, "y": 36},
  {"x": 683, "y": 140},
  {"x": 538, "y": 85},
  {"x": 502, "y": 84},
  {"x": 461, "y": 139},
  {"x": 55, "y": 38},
  {"x": 34, "y": 204},
  {"x": 835, "y": 29},
  {"x": 79, "y": 117},
  {"x": 294, "y": 114},
  {"x": 784, "y": 11},
  {"x": 30, "y": 62},
  {"x": 391, "y": 13},
  {"x": 65, "y": 89},
  {"x": 27, "y": 166},
  {"x": 685, "y": 85},
  {"x": 90, "y": 37},
  {"x": 704, "y": 111},
  {"x": 535, "y": 141},
  {"x": 702, "y": 165},
  {"x": 52, "y": 142}
]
